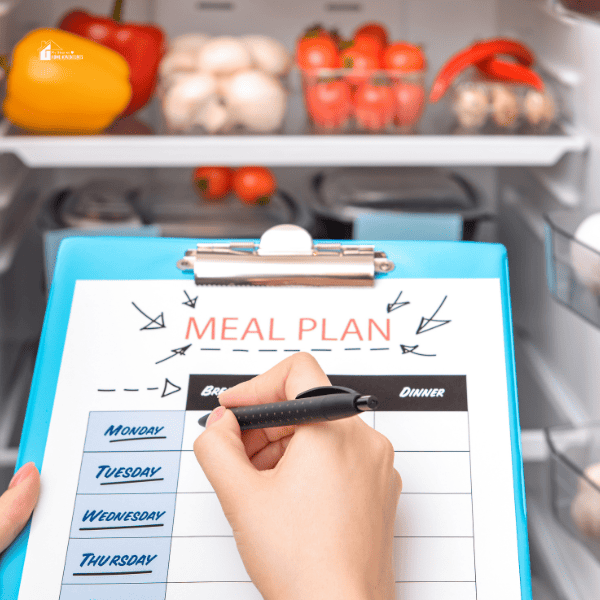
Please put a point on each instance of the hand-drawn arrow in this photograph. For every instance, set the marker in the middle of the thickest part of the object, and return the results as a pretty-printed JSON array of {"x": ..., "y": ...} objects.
[
  {"x": 157, "y": 323},
  {"x": 176, "y": 352},
  {"x": 411, "y": 350},
  {"x": 423, "y": 325},
  {"x": 396, "y": 304},
  {"x": 170, "y": 388},
  {"x": 191, "y": 302}
]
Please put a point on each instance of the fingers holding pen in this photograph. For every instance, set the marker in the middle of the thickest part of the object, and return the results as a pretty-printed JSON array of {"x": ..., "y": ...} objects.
[{"x": 284, "y": 381}]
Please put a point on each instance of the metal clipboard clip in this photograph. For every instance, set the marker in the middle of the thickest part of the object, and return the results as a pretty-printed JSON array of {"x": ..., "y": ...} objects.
[{"x": 286, "y": 255}]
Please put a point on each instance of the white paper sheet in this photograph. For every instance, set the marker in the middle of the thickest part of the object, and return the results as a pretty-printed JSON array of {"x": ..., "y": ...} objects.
[{"x": 125, "y": 510}]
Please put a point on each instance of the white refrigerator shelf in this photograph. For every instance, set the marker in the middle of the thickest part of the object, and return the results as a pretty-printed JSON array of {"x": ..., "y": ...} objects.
[{"x": 290, "y": 150}]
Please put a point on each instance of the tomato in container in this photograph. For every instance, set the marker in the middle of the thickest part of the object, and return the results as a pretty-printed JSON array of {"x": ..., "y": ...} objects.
[
  {"x": 317, "y": 51},
  {"x": 360, "y": 62},
  {"x": 329, "y": 103},
  {"x": 384, "y": 80},
  {"x": 375, "y": 30},
  {"x": 410, "y": 103},
  {"x": 404, "y": 57},
  {"x": 374, "y": 105}
]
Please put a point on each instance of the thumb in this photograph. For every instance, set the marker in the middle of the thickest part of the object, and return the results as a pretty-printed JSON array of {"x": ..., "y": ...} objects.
[
  {"x": 221, "y": 454},
  {"x": 17, "y": 503}
]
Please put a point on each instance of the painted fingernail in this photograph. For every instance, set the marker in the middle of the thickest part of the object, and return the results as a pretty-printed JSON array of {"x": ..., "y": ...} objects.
[
  {"x": 215, "y": 415},
  {"x": 19, "y": 476}
]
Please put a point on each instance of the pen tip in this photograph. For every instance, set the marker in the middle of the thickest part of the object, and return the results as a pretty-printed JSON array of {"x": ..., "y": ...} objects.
[
  {"x": 202, "y": 420},
  {"x": 366, "y": 403}
]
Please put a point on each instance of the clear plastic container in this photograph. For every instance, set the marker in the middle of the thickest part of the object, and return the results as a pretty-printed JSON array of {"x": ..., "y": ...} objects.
[
  {"x": 481, "y": 105},
  {"x": 573, "y": 267},
  {"x": 575, "y": 481},
  {"x": 347, "y": 101}
]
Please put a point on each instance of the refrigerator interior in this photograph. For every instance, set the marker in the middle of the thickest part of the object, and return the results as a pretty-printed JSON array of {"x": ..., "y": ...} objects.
[{"x": 519, "y": 178}]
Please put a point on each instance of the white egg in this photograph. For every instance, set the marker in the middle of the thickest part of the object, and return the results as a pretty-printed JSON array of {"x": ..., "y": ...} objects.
[
  {"x": 471, "y": 106},
  {"x": 586, "y": 258},
  {"x": 539, "y": 108},
  {"x": 585, "y": 509},
  {"x": 505, "y": 107}
]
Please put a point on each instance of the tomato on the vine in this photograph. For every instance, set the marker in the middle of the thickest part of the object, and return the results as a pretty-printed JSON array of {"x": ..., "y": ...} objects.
[
  {"x": 374, "y": 105},
  {"x": 401, "y": 56},
  {"x": 254, "y": 185},
  {"x": 212, "y": 183},
  {"x": 375, "y": 30},
  {"x": 329, "y": 103}
]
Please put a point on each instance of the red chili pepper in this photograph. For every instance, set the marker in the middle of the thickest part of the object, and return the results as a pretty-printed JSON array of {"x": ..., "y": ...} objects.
[
  {"x": 475, "y": 54},
  {"x": 510, "y": 72},
  {"x": 141, "y": 45}
]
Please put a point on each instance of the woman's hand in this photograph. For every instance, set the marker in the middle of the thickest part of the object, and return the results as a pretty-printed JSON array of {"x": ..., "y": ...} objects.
[
  {"x": 17, "y": 503},
  {"x": 312, "y": 506}
]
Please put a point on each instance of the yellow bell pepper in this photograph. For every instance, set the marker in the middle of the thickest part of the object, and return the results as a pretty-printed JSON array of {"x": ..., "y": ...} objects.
[{"x": 63, "y": 83}]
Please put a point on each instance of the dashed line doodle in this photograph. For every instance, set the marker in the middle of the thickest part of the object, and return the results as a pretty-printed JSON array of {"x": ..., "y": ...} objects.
[
  {"x": 157, "y": 323},
  {"x": 396, "y": 304},
  {"x": 191, "y": 302},
  {"x": 412, "y": 350},
  {"x": 176, "y": 352},
  {"x": 424, "y": 325}
]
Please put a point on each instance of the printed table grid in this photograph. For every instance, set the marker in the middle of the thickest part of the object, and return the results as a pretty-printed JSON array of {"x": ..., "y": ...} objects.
[{"x": 138, "y": 502}]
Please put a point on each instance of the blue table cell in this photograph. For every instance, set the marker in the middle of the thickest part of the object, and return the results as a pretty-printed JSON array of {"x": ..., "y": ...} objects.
[
  {"x": 143, "y": 591},
  {"x": 122, "y": 515},
  {"x": 117, "y": 560},
  {"x": 129, "y": 473},
  {"x": 135, "y": 430}
]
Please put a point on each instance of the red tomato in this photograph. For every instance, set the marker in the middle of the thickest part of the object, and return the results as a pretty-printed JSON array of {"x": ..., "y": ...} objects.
[
  {"x": 329, "y": 103},
  {"x": 374, "y": 106},
  {"x": 318, "y": 52},
  {"x": 403, "y": 57},
  {"x": 374, "y": 29},
  {"x": 254, "y": 185},
  {"x": 410, "y": 101},
  {"x": 362, "y": 63},
  {"x": 212, "y": 183},
  {"x": 369, "y": 43}
]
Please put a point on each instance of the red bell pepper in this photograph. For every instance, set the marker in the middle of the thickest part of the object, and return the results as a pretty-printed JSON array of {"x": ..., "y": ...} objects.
[{"x": 142, "y": 45}]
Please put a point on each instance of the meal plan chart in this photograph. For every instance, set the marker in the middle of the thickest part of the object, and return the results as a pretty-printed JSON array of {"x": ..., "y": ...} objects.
[{"x": 126, "y": 512}]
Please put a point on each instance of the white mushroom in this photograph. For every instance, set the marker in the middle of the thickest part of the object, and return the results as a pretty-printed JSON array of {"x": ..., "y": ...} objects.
[
  {"x": 256, "y": 100},
  {"x": 224, "y": 55},
  {"x": 471, "y": 105},
  {"x": 505, "y": 107},
  {"x": 186, "y": 98},
  {"x": 189, "y": 42},
  {"x": 269, "y": 55},
  {"x": 540, "y": 109},
  {"x": 213, "y": 117},
  {"x": 175, "y": 62}
]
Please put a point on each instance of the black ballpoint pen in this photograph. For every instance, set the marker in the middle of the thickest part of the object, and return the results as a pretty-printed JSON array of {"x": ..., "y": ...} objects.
[{"x": 326, "y": 403}]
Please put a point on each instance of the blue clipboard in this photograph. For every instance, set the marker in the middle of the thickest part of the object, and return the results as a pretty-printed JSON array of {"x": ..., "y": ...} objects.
[{"x": 155, "y": 258}]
